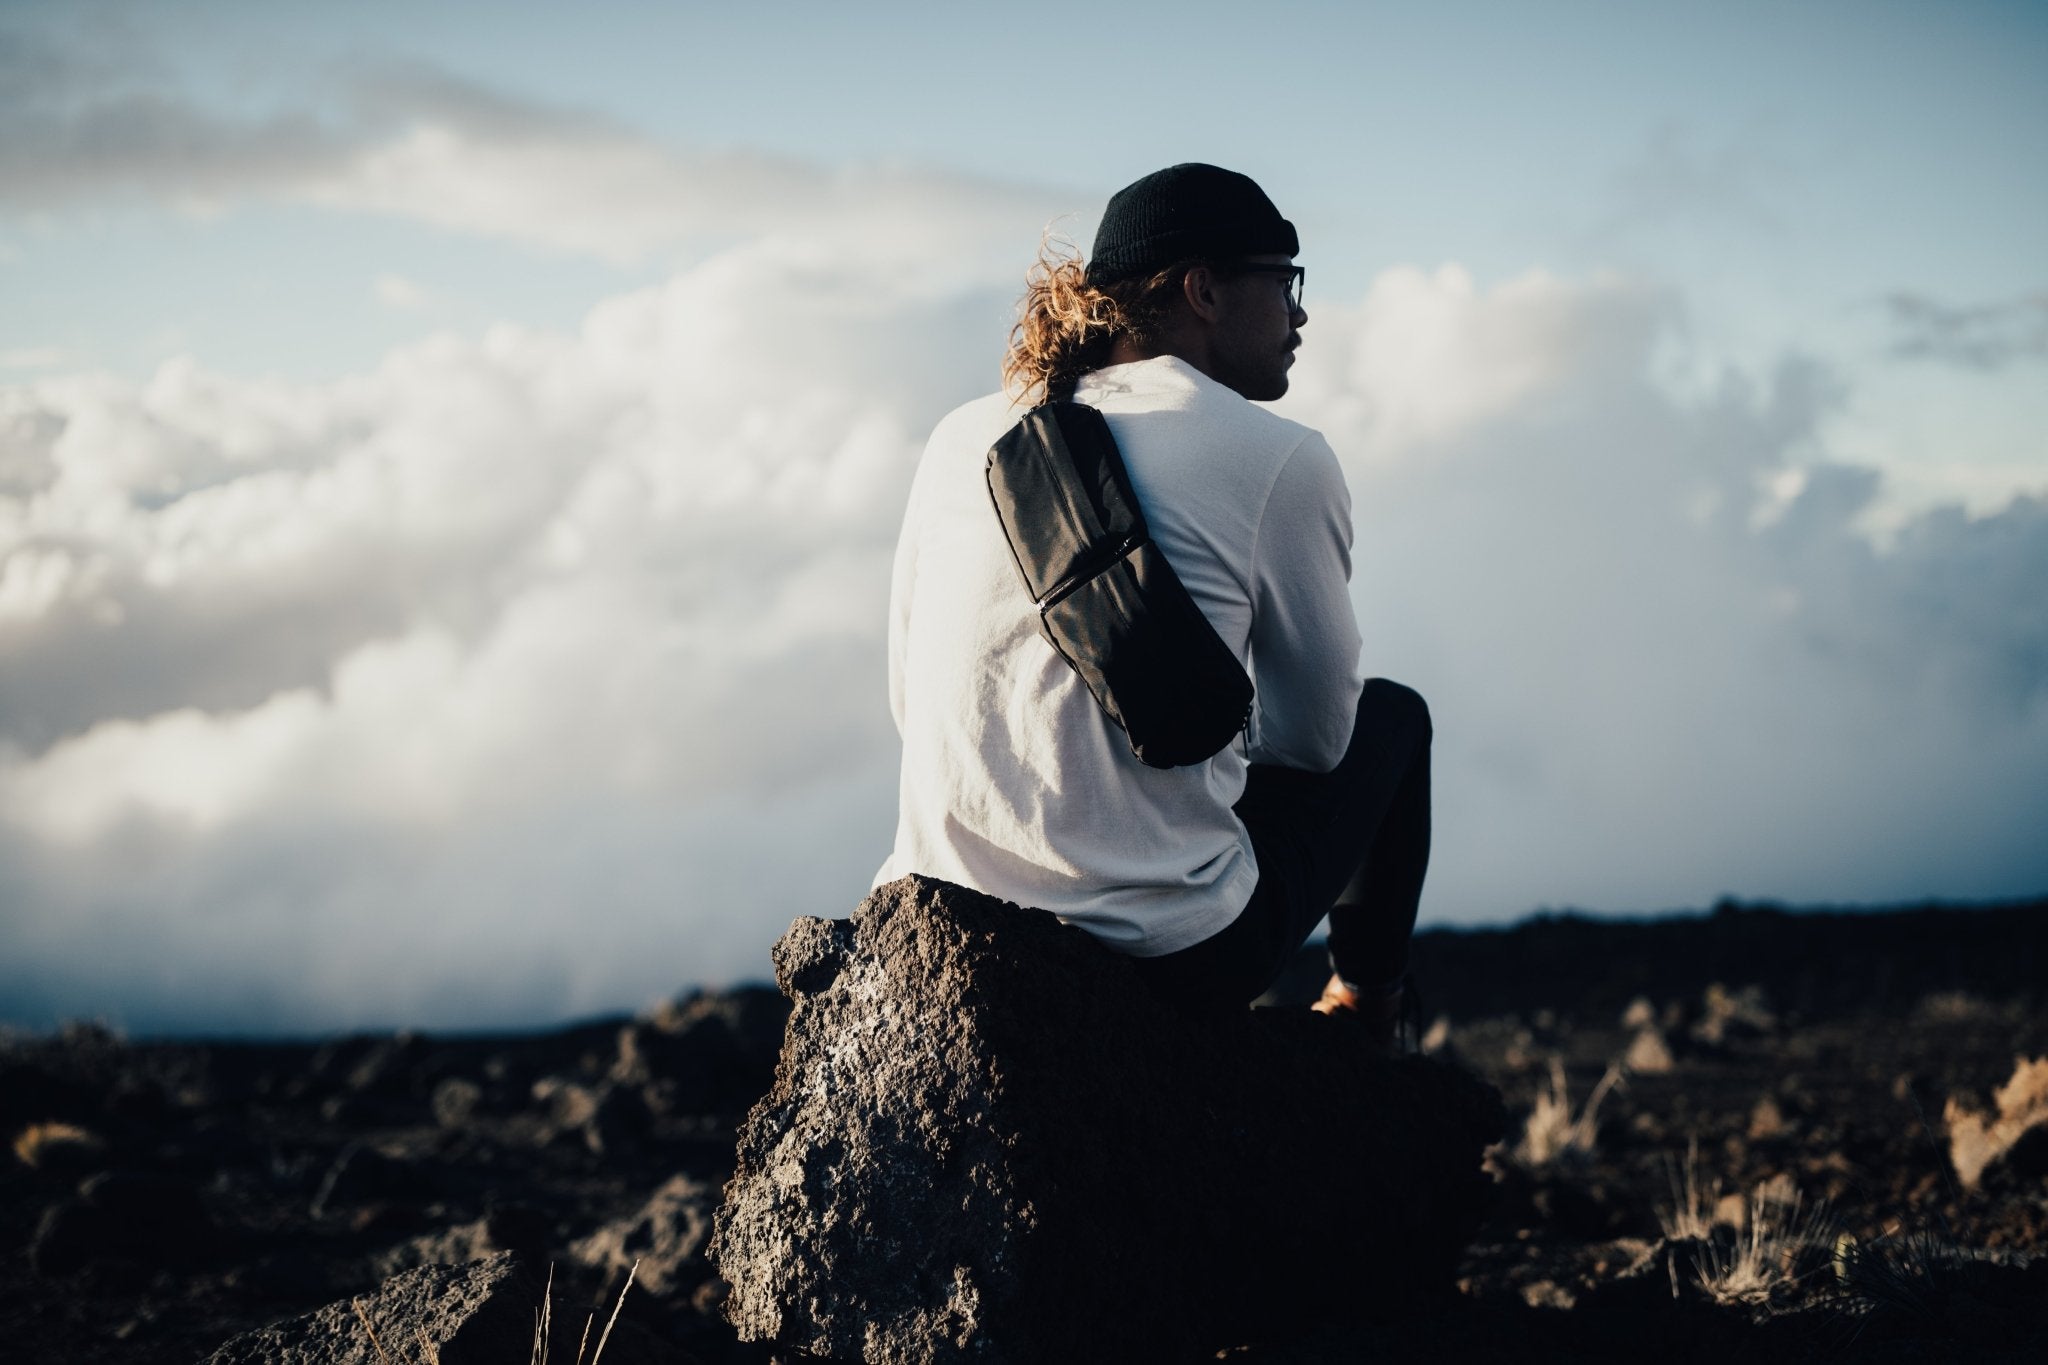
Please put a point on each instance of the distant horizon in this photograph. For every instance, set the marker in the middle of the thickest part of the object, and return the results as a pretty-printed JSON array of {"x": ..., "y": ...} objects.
[{"x": 606, "y": 1017}]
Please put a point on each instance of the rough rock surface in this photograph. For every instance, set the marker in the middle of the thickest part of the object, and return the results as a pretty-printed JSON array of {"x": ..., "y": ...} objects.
[
  {"x": 512, "y": 1228},
  {"x": 988, "y": 1140},
  {"x": 480, "y": 1313},
  {"x": 455, "y": 1315},
  {"x": 665, "y": 1238}
]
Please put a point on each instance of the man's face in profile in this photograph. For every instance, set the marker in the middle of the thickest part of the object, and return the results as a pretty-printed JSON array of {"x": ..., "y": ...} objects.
[{"x": 1257, "y": 327}]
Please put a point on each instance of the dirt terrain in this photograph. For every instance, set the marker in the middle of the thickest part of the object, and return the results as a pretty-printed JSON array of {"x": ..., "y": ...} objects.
[{"x": 1748, "y": 1134}]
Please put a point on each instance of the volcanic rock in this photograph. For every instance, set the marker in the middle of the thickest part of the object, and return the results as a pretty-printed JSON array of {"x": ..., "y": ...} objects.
[
  {"x": 483, "y": 1313},
  {"x": 988, "y": 1139},
  {"x": 31, "y": 1094},
  {"x": 2015, "y": 1137},
  {"x": 707, "y": 1053},
  {"x": 569, "y": 1106},
  {"x": 455, "y": 1101},
  {"x": 665, "y": 1238},
  {"x": 136, "y": 1216},
  {"x": 1767, "y": 1120},
  {"x": 620, "y": 1123},
  {"x": 1648, "y": 1053},
  {"x": 363, "y": 1174},
  {"x": 513, "y": 1227}
]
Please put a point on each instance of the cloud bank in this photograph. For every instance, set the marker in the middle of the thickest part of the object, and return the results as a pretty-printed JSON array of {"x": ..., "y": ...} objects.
[
  {"x": 1665, "y": 660},
  {"x": 427, "y": 690},
  {"x": 538, "y": 674}
]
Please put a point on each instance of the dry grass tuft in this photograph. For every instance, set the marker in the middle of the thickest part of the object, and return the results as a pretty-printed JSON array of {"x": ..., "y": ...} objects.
[
  {"x": 544, "y": 1319},
  {"x": 1729, "y": 1014},
  {"x": 543, "y": 1326},
  {"x": 607, "y": 1334},
  {"x": 1781, "y": 1245},
  {"x": 1553, "y": 1131},
  {"x": 1976, "y": 1139},
  {"x": 1691, "y": 1217},
  {"x": 544, "y": 1322}
]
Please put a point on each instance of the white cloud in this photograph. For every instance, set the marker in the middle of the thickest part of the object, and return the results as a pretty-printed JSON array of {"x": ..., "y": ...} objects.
[
  {"x": 606, "y": 193},
  {"x": 400, "y": 294},
  {"x": 1665, "y": 659},
  {"x": 532, "y": 673},
  {"x": 412, "y": 142},
  {"x": 491, "y": 586},
  {"x": 1429, "y": 356}
]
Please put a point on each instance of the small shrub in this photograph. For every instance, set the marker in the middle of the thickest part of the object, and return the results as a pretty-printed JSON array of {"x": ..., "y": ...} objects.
[
  {"x": 1905, "y": 1272},
  {"x": 1729, "y": 1014},
  {"x": 1781, "y": 1245},
  {"x": 1691, "y": 1217},
  {"x": 1552, "y": 1130}
]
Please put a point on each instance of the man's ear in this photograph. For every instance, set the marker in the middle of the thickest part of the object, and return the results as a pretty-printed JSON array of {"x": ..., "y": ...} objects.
[{"x": 1198, "y": 289}]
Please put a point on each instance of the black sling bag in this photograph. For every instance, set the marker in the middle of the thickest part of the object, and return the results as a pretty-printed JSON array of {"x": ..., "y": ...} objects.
[{"x": 1107, "y": 599}]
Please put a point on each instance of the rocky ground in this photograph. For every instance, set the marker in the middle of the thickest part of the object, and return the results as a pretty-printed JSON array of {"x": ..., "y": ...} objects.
[{"x": 1743, "y": 1134}]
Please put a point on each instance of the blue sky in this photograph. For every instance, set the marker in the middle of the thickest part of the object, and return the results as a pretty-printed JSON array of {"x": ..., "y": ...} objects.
[
  {"x": 1884, "y": 145},
  {"x": 449, "y": 455},
  {"x": 1793, "y": 168}
]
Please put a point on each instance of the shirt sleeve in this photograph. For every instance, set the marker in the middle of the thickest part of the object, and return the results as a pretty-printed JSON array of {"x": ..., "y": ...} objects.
[
  {"x": 902, "y": 578},
  {"x": 1304, "y": 640}
]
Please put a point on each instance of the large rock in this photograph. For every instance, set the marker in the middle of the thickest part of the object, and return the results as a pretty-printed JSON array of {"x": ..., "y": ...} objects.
[
  {"x": 483, "y": 1313},
  {"x": 988, "y": 1140},
  {"x": 477, "y": 1314}
]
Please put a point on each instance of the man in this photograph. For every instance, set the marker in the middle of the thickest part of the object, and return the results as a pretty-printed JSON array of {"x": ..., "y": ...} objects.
[{"x": 1014, "y": 780}]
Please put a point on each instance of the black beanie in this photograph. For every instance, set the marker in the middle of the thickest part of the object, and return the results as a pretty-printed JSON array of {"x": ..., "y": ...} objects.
[{"x": 1183, "y": 212}]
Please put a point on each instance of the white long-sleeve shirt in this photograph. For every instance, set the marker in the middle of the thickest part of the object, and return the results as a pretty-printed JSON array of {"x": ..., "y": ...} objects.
[{"x": 1014, "y": 781}]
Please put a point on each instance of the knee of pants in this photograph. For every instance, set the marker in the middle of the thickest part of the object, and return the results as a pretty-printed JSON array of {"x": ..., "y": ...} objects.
[{"x": 1397, "y": 701}]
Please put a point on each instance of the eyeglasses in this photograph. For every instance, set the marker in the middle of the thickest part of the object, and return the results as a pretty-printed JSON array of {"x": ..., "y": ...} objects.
[{"x": 1297, "y": 277}]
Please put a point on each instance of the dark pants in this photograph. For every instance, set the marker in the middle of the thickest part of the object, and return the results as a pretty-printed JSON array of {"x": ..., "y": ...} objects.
[{"x": 1352, "y": 843}]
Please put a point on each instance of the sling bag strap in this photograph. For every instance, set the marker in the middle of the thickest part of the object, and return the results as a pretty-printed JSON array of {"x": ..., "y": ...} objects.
[{"x": 1107, "y": 599}]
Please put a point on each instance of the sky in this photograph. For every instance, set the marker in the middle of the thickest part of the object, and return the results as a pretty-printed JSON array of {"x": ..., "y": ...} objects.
[{"x": 450, "y": 456}]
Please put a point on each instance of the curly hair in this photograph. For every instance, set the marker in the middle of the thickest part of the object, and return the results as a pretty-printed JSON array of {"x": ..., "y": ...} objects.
[{"x": 1066, "y": 326}]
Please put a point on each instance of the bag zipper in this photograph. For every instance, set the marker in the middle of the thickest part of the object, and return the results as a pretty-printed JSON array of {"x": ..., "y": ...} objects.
[{"x": 1065, "y": 588}]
